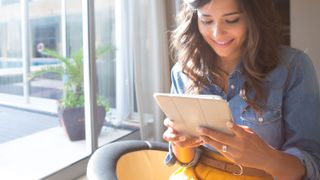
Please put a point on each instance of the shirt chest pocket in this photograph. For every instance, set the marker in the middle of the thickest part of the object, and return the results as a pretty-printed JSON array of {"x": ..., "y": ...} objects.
[
  {"x": 269, "y": 115},
  {"x": 268, "y": 125}
]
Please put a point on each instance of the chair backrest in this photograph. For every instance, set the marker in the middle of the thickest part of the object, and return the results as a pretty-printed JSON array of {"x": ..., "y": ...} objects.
[{"x": 131, "y": 159}]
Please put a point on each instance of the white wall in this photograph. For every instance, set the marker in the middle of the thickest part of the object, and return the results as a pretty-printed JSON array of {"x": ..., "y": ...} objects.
[{"x": 305, "y": 28}]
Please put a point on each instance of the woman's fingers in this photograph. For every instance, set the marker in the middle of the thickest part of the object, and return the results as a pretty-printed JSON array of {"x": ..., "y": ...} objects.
[
  {"x": 215, "y": 144},
  {"x": 181, "y": 140},
  {"x": 189, "y": 142},
  {"x": 171, "y": 135},
  {"x": 216, "y": 135},
  {"x": 224, "y": 149},
  {"x": 238, "y": 130},
  {"x": 168, "y": 123}
]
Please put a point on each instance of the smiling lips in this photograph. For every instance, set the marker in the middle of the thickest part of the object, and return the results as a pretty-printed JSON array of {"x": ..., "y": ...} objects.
[{"x": 223, "y": 43}]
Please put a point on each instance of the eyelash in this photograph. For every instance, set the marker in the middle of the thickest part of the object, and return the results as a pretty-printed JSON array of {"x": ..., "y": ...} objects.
[
  {"x": 233, "y": 21},
  {"x": 229, "y": 22},
  {"x": 206, "y": 22}
]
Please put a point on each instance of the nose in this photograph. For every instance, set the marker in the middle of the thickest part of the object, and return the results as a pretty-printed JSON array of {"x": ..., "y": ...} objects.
[{"x": 217, "y": 30}]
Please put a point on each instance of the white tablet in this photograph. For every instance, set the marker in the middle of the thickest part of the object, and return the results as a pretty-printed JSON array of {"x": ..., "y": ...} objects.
[{"x": 191, "y": 111}]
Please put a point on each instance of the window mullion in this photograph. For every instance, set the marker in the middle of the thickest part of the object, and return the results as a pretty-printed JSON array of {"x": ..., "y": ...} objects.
[
  {"x": 25, "y": 47},
  {"x": 89, "y": 72}
]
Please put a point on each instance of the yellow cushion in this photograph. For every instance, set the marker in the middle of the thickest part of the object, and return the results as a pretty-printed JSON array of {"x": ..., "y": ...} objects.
[{"x": 144, "y": 164}]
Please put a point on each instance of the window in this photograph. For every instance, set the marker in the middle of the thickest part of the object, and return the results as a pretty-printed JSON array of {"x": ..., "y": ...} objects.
[
  {"x": 31, "y": 134},
  {"x": 5, "y": 2}
]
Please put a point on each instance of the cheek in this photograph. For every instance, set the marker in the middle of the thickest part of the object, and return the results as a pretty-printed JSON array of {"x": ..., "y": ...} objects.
[
  {"x": 205, "y": 32},
  {"x": 240, "y": 34}
]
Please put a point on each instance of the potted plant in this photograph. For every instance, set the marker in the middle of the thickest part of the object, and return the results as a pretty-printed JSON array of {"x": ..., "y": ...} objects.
[{"x": 71, "y": 106}]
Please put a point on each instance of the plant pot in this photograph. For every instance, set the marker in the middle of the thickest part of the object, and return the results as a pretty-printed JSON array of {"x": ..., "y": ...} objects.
[{"x": 73, "y": 121}]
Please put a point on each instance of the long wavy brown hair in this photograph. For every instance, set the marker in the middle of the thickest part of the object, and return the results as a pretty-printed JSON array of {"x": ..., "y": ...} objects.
[{"x": 259, "y": 51}]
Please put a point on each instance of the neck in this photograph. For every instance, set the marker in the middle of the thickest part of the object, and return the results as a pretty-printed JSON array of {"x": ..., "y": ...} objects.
[{"x": 227, "y": 65}]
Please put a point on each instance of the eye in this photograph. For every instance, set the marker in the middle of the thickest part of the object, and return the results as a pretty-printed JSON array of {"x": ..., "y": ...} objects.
[
  {"x": 206, "y": 22},
  {"x": 232, "y": 21}
]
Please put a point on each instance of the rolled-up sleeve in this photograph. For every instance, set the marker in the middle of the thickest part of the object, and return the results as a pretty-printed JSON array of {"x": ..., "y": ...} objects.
[
  {"x": 301, "y": 113},
  {"x": 312, "y": 171},
  {"x": 178, "y": 80}
]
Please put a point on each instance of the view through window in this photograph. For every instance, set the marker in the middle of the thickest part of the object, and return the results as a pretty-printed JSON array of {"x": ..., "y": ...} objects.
[{"x": 41, "y": 73}]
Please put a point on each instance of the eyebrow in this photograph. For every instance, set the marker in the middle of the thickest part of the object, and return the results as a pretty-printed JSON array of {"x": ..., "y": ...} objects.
[{"x": 227, "y": 14}]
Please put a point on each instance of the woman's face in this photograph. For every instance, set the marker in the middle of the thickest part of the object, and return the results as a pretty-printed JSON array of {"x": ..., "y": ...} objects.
[{"x": 224, "y": 27}]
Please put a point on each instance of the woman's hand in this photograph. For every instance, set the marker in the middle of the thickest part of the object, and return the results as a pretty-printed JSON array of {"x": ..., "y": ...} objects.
[
  {"x": 182, "y": 146},
  {"x": 248, "y": 149},
  {"x": 244, "y": 147},
  {"x": 177, "y": 139}
]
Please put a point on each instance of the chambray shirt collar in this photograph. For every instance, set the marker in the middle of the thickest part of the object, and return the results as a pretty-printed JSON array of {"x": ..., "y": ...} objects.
[{"x": 235, "y": 83}]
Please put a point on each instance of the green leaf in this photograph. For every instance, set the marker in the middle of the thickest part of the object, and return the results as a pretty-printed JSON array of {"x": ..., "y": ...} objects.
[
  {"x": 72, "y": 69},
  {"x": 103, "y": 50},
  {"x": 57, "y": 69},
  {"x": 54, "y": 54}
]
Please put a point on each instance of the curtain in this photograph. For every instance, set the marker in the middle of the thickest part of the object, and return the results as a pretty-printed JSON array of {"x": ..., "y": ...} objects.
[
  {"x": 151, "y": 62},
  {"x": 143, "y": 63}
]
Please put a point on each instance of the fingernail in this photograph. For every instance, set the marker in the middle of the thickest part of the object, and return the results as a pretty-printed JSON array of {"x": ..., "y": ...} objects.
[
  {"x": 229, "y": 124},
  {"x": 165, "y": 137}
]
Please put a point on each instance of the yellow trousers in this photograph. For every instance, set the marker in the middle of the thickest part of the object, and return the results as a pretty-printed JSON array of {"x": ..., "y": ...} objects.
[{"x": 204, "y": 172}]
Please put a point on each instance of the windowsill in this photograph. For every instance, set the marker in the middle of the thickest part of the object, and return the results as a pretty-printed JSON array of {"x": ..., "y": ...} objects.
[
  {"x": 47, "y": 106},
  {"x": 40, "y": 154}
]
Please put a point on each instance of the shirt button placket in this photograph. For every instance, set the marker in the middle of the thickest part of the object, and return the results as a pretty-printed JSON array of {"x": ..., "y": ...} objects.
[
  {"x": 260, "y": 119},
  {"x": 232, "y": 87}
]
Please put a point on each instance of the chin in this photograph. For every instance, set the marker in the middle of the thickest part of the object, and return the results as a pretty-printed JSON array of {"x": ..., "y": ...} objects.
[
  {"x": 223, "y": 54},
  {"x": 226, "y": 52}
]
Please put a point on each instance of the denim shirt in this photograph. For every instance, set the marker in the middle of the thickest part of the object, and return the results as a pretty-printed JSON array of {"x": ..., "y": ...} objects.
[{"x": 290, "y": 121}]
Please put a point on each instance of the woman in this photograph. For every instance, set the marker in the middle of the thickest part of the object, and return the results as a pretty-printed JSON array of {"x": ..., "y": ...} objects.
[{"x": 231, "y": 48}]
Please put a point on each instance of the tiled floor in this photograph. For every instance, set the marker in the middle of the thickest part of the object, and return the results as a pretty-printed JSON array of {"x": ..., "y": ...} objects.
[{"x": 16, "y": 123}]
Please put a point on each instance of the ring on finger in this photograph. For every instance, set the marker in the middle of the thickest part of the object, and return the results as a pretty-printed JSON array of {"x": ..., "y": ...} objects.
[{"x": 224, "y": 148}]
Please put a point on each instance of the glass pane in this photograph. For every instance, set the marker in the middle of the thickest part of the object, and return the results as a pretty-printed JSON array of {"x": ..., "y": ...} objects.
[
  {"x": 74, "y": 31},
  {"x": 34, "y": 135},
  {"x": 105, "y": 44},
  {"x": 106, "y": 70},
  {"x": 37, "y": 139},
  {"x": 8, "y": 2},
  {"x": 105, "y": 63},
  {"x": 10, "y": 49},
  {"x": 45, "y": 33}
]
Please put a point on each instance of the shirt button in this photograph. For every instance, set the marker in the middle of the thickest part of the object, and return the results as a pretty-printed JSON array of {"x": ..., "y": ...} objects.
[
  {"x": 260, "y": 119},
  {"x": 232, "y": 86}
]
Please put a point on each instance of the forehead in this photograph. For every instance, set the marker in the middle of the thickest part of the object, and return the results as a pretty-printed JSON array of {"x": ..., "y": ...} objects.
[{"x": 219, "y": 7}]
